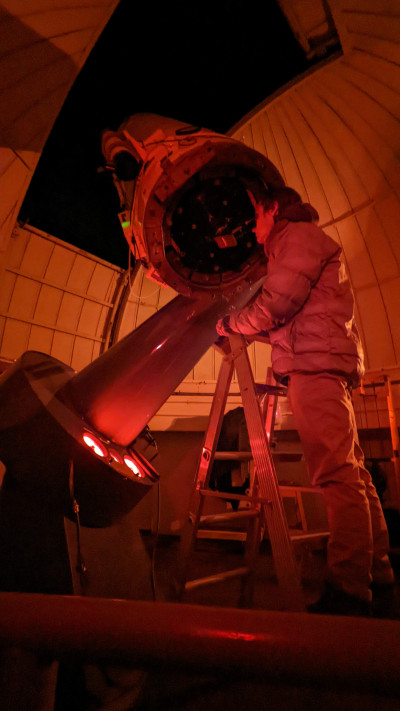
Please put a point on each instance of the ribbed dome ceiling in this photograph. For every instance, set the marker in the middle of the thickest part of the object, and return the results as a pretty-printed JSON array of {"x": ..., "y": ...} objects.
[
  {"x": 334, "y": 134},
  {"x": 42, "y": 48},
  {"x": 335, "y": 137}
]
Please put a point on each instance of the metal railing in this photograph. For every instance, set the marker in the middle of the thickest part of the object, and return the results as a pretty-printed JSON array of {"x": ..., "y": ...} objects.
[{"x": 338, "y": 652}]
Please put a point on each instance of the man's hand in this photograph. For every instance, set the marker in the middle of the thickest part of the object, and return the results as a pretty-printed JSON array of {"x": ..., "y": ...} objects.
[{"x": 223, "y": 328}]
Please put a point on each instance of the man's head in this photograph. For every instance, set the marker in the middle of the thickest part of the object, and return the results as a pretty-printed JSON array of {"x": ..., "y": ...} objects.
[
  {"x": 275, "y": 204},
  {"x": 280, "y": 204}
]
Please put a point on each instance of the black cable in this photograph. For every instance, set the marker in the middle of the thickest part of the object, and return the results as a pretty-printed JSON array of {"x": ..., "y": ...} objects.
[
  {"x": 80, "y": 563},
  {"x": 154, "y": 546}
]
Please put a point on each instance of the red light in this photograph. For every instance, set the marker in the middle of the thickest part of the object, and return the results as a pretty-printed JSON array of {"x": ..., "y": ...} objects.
[
  {"x": 133, "y": 466},
  {"x": 94, "y": 444},
  {"x": 115, "y": 456}
]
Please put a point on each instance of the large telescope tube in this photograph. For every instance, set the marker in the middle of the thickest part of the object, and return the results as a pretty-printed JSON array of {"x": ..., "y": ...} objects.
[{"x": 187, "y": 212}]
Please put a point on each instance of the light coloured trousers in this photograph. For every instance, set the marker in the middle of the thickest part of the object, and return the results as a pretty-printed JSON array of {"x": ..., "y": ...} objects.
[{"x": 358, "y": 544}]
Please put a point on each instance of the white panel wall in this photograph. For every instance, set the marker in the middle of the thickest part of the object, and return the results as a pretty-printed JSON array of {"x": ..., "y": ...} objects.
[{"x": 55, "y": 298}]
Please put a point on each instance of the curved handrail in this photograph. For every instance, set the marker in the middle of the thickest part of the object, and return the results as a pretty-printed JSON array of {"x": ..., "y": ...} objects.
[{"x": 358, "y": 653}]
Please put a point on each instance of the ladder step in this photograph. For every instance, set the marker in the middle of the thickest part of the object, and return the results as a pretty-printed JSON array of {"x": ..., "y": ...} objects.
[
  {"x": 308, "y": 536},
  {"x": 294, "y": 489},
  {"x": 236, "y": 497},
  {"x": 221, "y": 534},
  {"x": 282, "y": 456},
  {"x": 247, "y": 456},
  {"x": 229, "y": 516},
  {"x": 227, "y": 456},
  {"x": 217, "y": 578}
]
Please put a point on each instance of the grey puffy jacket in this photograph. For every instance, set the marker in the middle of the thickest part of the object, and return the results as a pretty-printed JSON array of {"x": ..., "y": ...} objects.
[{"x": 306, "y": 304}]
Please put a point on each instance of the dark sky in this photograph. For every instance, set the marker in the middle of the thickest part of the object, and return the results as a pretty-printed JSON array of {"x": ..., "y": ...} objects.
[{"x": 205, "y": 63}]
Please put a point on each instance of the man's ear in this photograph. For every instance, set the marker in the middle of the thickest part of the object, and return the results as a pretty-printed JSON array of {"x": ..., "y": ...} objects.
[{"x": 274, "y": 209}]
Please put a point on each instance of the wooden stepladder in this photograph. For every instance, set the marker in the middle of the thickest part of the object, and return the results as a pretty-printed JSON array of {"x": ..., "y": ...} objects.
[{"x": 264, "y": 499}]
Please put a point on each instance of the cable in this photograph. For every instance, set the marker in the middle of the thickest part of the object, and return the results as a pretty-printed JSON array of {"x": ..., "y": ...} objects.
[
  {"x": 154, "y": 547},
  {"x": 80, "y": 563}
]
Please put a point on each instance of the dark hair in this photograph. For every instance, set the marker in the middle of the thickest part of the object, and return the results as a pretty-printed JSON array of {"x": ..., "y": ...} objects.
[
  {"x": 283, "y": 196},
  {"x": 290, "y": 206}
]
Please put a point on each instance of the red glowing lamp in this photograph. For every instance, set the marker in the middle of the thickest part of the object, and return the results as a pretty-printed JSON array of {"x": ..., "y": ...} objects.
[
  {"x": 131, "y": 464},
  {"x": 115, "y": 456},
  {"x": 94, "y": 444}
]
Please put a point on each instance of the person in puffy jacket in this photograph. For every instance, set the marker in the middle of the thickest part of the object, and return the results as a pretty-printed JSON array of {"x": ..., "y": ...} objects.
[{"x": 306, "y": 307}]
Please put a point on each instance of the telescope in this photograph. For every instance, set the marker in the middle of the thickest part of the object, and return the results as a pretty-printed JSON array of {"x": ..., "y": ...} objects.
[{"x": 187, "y": 197}]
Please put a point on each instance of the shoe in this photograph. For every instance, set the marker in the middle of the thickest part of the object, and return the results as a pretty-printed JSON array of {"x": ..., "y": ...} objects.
[
  {"x": 337, "y": 602},
  {"x": 385, "y": 601},
  {"x": 383, "y": 577}
]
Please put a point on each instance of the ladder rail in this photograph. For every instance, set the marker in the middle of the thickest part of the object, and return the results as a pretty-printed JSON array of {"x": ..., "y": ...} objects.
[
  {"x": 195, "y": 508},
  {"x": 282, "y": 550},
  {"x": 264, "y": 492}
]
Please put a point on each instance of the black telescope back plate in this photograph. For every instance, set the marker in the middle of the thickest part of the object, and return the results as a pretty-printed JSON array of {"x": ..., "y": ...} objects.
[{"x": 212, "y": 225}]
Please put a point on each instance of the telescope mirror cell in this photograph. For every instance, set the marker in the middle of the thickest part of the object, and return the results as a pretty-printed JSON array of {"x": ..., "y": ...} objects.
[
  {"x": 211, "y": 227},
  {"x": 191, "y": 216}
]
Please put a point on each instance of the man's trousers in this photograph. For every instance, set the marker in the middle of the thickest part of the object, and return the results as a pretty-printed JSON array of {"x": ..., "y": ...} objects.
[{"x": 358, "y": 544}]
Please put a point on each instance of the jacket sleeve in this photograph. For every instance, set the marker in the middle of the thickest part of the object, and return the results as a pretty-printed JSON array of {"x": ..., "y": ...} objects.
[{"x": 296, "y": 260}]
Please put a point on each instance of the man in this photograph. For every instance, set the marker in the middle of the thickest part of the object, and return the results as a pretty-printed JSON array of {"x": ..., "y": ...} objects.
[{"x": 306, "y": 306}]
